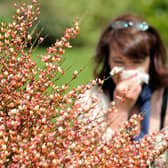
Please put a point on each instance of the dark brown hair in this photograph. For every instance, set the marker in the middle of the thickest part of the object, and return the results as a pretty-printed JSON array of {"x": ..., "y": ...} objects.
[{"x": 135, "y": 44}]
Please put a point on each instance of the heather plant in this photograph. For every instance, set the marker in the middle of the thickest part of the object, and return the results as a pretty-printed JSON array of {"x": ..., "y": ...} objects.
[{"x": 43, "y": 124}]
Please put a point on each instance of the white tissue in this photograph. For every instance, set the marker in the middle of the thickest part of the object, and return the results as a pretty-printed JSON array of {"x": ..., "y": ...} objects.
[{"x": 144, "y": 77}]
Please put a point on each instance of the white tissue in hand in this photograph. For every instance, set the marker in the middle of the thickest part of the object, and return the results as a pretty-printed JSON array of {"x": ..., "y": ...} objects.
[{"x": 144, "y": 77}]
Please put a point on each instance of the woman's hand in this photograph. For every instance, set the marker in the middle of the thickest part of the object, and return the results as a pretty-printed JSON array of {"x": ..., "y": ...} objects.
[{"x": 126, "y": 93}]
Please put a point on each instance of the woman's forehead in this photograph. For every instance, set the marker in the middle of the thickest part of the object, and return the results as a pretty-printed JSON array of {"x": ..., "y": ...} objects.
[
  {"x": 128, "y": 53},
  {"x": 116, "y": 52}
]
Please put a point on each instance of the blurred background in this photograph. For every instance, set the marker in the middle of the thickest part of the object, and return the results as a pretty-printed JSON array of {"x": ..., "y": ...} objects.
[{"x": 56, "y": 15}]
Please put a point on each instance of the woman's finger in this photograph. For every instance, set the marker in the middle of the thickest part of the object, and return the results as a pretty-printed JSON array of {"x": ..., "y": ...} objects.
[{"x": 129, "y": 89}]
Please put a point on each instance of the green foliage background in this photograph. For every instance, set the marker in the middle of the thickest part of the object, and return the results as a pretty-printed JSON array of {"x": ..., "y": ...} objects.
[
  {"x": 56, "y": 15},
  {"x": 95, "y": 14}
]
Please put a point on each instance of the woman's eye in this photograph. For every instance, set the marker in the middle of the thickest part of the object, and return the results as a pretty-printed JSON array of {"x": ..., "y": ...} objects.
[
  {"x": 118, "y": 62},
  {"x": 137, "y": 62}
]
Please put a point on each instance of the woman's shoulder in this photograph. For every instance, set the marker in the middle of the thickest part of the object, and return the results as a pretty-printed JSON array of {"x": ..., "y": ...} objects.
[
  {"x": 156, "y": 109},
  {"x": 94, "y": 101},
  {"x": 158, "y": 92},
  {"x": 94, "y": 104},
  {"x": 157, "y": 98},
  {"x": 92, "y": 96}
]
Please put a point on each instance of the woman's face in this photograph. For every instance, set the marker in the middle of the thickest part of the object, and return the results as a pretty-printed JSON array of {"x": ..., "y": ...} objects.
[{"x": 116, "y": 59}]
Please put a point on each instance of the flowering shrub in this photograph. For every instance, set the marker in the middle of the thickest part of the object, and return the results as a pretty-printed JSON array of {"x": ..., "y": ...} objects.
[{"x": 41, "y": 123}]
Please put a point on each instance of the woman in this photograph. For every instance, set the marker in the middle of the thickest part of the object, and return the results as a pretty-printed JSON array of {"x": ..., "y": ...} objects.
[{"x": 129, "y": 42}]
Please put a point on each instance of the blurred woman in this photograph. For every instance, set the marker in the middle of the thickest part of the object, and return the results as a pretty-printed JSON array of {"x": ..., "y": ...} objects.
[{"x": 130, "y": 43}]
